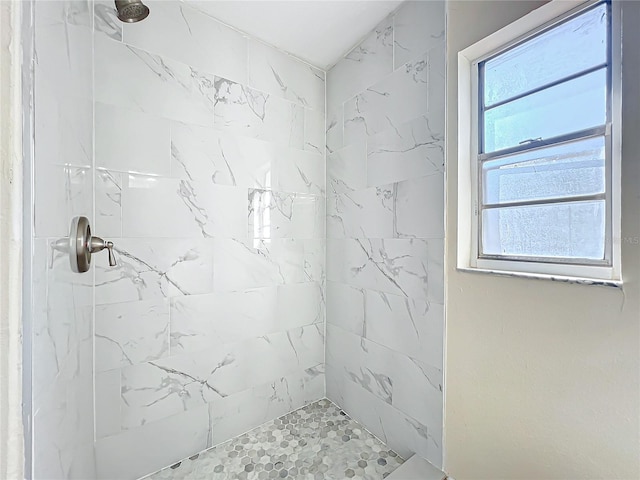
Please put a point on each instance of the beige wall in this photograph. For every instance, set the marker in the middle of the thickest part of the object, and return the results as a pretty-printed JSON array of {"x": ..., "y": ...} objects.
[{"x": 542, "y": 378}]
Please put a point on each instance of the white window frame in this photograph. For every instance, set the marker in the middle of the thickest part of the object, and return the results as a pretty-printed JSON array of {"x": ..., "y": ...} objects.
[{"x": 468, "y": 181}]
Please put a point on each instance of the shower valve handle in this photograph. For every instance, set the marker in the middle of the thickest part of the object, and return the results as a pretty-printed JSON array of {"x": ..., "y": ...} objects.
[
  {"x": 82, "y": 245},
  {"x": 97, "y": 244}
]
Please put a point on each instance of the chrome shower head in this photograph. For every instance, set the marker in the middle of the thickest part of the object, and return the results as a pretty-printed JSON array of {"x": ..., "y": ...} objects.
[{"x": 131, "y": 11}]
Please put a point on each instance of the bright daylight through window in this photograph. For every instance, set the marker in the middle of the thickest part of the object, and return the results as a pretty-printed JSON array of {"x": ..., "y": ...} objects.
[{"x": 542, "y": 150}]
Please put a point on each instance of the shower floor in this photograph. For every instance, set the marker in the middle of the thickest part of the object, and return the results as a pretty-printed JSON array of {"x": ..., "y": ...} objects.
[{"x": 315, "y": 442}]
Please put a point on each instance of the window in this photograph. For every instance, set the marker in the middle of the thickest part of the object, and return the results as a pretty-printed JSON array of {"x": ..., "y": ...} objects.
[{"x": 542, "y": 150}]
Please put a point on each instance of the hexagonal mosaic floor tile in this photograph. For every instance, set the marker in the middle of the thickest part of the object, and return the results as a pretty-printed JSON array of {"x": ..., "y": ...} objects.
[{"x": 315, "y": 442}]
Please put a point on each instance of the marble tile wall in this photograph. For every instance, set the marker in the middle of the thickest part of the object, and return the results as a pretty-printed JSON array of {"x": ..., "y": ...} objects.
[
  {"x": 62, "y": 322},
  {"x": 200, "y": 155},
  {"x": 210, "y": 180},
  {"x": 385, "y": 230},
  {"x": 201, "y": 158}
]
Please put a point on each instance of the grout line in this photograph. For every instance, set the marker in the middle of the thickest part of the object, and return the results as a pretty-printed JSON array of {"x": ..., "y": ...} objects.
[
  {"x": 326, "y": 259},
  {"x": 93, "y": 217}
]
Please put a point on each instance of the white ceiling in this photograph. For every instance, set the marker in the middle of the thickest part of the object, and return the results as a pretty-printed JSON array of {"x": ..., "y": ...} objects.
[{"x": 317, "y": 31}]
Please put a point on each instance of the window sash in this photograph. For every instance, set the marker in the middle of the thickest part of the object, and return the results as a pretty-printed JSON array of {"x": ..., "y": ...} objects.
[
  {"x": 603, "y": 130},
  {"x": 560, "y": 81},
  {"x": 480, "y": 77},
  {"x": 606, "y": 261},
  {"x": 599, "y": 131}
]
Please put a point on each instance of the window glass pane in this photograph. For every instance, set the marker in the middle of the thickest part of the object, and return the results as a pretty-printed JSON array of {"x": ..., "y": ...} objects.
[
  {"x": 570, "y": 230},
  {"x": 567, "y": 170},
  {"x": 569, "y": 48},
  {"x": 565, "y": 108}
]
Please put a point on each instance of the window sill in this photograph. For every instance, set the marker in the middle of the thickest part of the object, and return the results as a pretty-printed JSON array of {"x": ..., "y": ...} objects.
[{"x": 542, "y": 276}]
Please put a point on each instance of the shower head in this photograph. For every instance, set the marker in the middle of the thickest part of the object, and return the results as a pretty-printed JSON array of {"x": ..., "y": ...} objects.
[{"x": 131, "y": 11}]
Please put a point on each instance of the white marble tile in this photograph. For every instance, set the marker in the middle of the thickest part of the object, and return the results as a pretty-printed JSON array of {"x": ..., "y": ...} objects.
[
  {"x": 154, "y": 268},
  {"x": 236, "y": 414},
  {"x": 414, "y": 149},
  {"x": 63, "y": 126},
  {"x": 105, "y": 20},
  {"x": 366, "y": 363},
  {"x": 61, "y": 193},
  {"x": 158, "y": 389},
  {"x": 314, "y": 260},
  {"x": 167, "y": 207},
  {"x": 244, "y": 111},
  {"x": 63, "y": 53},
  {"x": 417, "y": 468},
  {"x": 411, "y": 326},
  {"x": 63, "y": 428},
  {"x": 291, "y": 391},
  {"x": 409, "y": 209},
  {"x": 396, "y": 99},
  {"x": 435, "y": 271},
  {"x": 300, "y": 304},
  {"x": 399, "y": 431},
  {"x": 108, "y": 200},
  {"x": 285, "y": 215},
  {"x": 412, "y": 387},
  {"x": 200, "y": 322},
  {"x": 227, "y": 159},
  {"x": 152, "y": 84},
  {"x": 131, "y": 141},
  {"x": 196, "y": 39},
  {"x": 417, "y": 27},
  {"x": 44, "y": 371},
  {"x": 408, "y": 267},
  {"x": 242, "y": 264},
  {"x": 345, "y": 307},
  {"x": 358, "y": 403},
  {"x": 437, "y": 83},
  {"x": 303, "y": 388},
  {"x": 435, "y": 448},
  {"x": 71, "y": 12},
  {"x": 403, "y": 433},
  {"x": 154, "y": 391},
  {"x": 300, "y": 172},
  {"x": 335, "y": 387},
  {"x": 334, "y": 127},
  {"x": 274, "y": 72},
  {"x": 314, "y": 130},
  {"x": 200, "y": 153},
  {"x": 271, "y": 214},
  {"x": 354, "y": 398},
  {"x": 419, "y": 207},
  {"x": 62, "y": 323},
  {"x": 107, "y": 408},
  {"x": 131, "y": 333},
  {"x": 61, "y": 346},
  {"x": 368, "y": 213},
  {"x": 347, "y": 169},
  {"x": 385, "y": 164},
  {"x": 417, "y": 391},
  {"x": 137, "y": 452},
  {"x": 243, "y": 411},
  {"x": 363, "y": 66}
]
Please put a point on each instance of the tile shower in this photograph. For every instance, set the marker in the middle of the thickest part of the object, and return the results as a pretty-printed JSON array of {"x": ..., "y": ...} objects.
[{"x": 241, "y": 239}]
